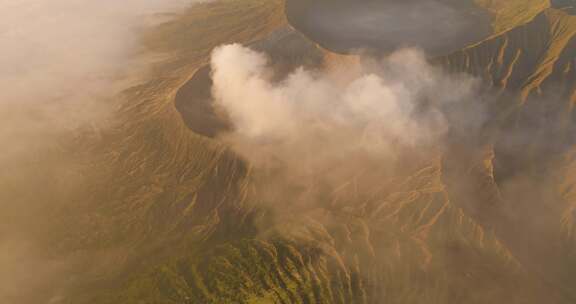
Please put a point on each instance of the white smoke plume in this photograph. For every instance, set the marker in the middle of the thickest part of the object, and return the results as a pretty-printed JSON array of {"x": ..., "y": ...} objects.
[{"x": 317, "y": 120}]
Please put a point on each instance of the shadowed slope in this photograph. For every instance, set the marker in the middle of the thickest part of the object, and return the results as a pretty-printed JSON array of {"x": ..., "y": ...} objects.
[{"x": 522, "y": 170}]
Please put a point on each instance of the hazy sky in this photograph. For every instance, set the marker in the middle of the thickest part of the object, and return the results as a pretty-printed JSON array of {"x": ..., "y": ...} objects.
[
  {"x": 60, "y": 58},
  {"x": 49, "y": 46}
]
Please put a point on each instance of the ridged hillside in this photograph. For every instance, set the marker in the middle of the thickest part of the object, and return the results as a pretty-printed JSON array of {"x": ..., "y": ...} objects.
[
  {"x": 147, "y": 187},
  {"x": 170, "y": 215},
  {"x": 528, "y": 198}
]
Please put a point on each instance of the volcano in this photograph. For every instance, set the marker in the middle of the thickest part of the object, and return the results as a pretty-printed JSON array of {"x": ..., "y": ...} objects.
[{"x": 169, "y": 212}]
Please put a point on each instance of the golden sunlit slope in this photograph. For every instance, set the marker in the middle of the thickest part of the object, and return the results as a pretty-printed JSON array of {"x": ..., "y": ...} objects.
[
  {"x": 528, "y": 58},
  {"x": 150, "y": 159},
  {"x": 509, "y": 14},
  {"x": 144, "y": 182},
  {"x": 166, "y": 215}
]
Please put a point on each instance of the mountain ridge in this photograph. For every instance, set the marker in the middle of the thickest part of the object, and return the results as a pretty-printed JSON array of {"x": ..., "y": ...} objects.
[{"x": 194, "y": 232}]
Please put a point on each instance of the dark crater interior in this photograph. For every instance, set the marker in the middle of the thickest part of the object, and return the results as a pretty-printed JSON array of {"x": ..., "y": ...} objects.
[{"x": 437, "y": 26}]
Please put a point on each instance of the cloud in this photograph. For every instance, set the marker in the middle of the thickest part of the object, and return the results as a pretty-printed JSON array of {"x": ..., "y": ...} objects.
[{"x": 313, "y": 119}]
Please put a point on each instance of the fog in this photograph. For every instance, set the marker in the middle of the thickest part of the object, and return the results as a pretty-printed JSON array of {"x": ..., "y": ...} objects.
[
  {"x": 62, "y": 59},
  {"x": 63, "y": 64}
]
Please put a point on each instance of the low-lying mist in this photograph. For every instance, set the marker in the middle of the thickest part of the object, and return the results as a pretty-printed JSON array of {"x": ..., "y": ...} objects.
[
  {"x": 63, "y": 65},
  {"x": 62, "y": 59}
]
